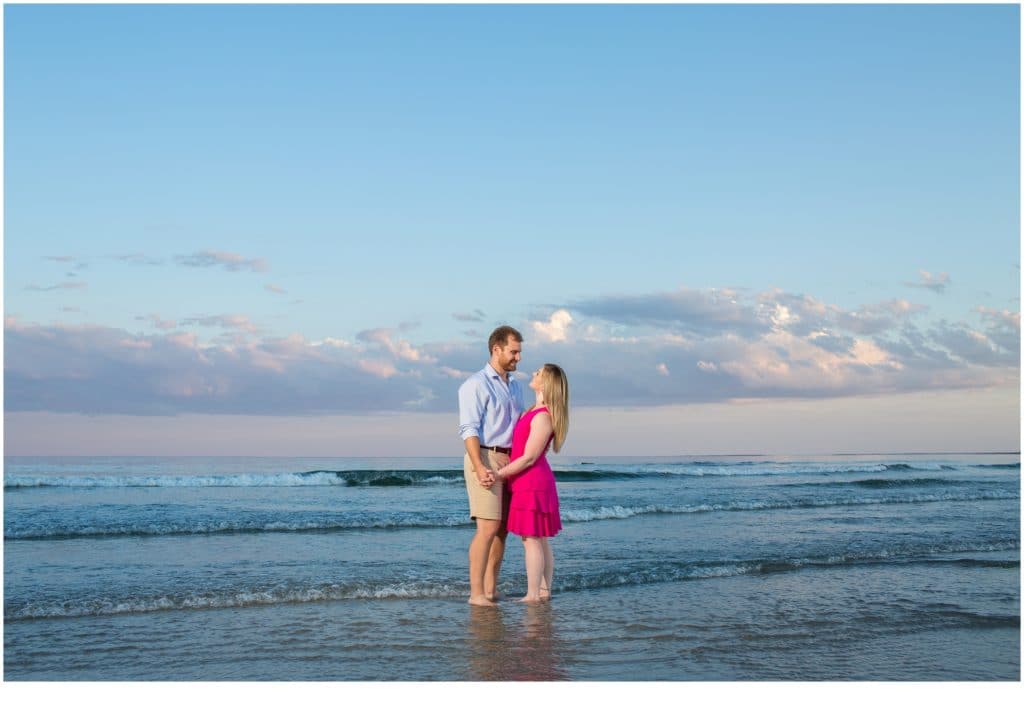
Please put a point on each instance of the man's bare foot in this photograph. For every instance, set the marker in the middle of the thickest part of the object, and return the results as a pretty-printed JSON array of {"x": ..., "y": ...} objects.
[
  {"x": 530, "y": 600},
  {"x": 495, "y": 596},
  {"x": 545, "y": 593},
  {"x": 480, "y": 601}
]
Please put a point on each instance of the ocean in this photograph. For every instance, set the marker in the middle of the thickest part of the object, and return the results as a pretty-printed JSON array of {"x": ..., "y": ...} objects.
[{"x": 841, "y": 567}]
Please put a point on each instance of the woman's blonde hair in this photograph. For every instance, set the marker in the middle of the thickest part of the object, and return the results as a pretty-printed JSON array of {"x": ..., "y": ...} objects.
[{"x": 556, "y": 396}]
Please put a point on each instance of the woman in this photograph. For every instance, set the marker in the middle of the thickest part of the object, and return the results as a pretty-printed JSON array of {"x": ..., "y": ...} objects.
[{"x": 533, "y": 513}]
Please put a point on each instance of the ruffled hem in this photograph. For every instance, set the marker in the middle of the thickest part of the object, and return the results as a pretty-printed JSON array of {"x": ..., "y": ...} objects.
[
  {"x": 543, "y": 500},
  {"x": 533, "y": 523}
]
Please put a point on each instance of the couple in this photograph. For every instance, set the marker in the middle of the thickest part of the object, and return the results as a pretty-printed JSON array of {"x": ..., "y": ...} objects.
[{"x": 510, "y": 484}]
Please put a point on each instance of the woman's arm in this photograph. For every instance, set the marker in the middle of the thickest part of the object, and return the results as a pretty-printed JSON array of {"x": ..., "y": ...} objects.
[{"x": 540, "y": 432}]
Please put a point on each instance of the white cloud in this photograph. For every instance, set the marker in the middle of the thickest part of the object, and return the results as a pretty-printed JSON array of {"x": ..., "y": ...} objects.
[
  {"x": 400, "y": 349},
  {"x": 554, "y": 329},
  {"x": 332, "y": 343},
  {"x": 662, "y": 369}
]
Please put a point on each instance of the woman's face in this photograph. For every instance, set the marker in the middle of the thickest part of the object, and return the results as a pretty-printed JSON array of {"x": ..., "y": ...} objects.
[{"x": 535, "y": 381}]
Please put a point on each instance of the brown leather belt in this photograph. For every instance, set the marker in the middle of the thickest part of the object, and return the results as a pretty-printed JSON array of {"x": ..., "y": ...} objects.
[{"x": 506, "y": 451}]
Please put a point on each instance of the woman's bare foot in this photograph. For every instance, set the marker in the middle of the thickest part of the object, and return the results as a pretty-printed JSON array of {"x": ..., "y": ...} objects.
[
  {"x": 495, "y": 597},
  {"x": 531, "y": 600},
  {"x": 545, "y": 593},
  {"x": 480, "y": 601}
]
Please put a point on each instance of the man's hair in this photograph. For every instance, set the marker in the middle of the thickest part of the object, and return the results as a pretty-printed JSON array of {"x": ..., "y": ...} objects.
[{"x": 500, "y": 335}]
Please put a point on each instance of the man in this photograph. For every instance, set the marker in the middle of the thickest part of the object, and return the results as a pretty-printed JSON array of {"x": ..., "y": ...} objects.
[{"x": 490, "y": 403}]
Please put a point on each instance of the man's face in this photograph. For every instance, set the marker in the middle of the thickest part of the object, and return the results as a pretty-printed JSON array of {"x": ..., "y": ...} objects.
[{"x": 507, "y": 357}]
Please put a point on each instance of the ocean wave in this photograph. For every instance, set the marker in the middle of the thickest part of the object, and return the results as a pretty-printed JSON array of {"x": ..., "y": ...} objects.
[
  {"x": 620, "y": 512},
  {"x": 281, "y": 594},
  {"x": 750, "y": 469},
  {"x": 882, "y": 483},
  {"x": 241, "y": 526},
  {"x": 415, "y": 478},
  {"x": 278, "y": 523},
  {"x": 313, "y": 478},
  {"x": 893, "y": 483},
  {"x": 628, "y": 574}
]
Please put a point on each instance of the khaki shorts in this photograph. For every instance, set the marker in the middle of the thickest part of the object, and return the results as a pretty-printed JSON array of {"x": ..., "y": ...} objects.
[{"x": 485, "y": 503}]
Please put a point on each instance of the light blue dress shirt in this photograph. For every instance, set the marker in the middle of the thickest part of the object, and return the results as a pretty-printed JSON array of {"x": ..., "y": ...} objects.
[{"x": 488, "y": 408}]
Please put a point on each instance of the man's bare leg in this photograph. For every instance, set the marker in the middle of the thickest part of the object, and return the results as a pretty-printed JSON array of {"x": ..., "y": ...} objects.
[
  {"x": 494, "y": 558},
  {"x": 479, "y": 548}
]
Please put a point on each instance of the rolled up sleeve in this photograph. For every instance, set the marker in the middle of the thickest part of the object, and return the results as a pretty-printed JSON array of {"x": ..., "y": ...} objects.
[{"x": 471, "y": 410}]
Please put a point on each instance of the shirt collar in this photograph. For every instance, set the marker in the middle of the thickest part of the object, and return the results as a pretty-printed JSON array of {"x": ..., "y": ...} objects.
[{"x": 491, "y": 372}]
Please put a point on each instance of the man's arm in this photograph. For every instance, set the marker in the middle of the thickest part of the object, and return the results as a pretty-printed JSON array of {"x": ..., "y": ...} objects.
[
  {"x": 484, "y": 476},
  {"x": 471, "y": 412}
]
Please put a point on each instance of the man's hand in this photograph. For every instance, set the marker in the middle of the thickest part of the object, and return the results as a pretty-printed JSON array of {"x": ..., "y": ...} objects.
[{"x": 485, "y": 477}]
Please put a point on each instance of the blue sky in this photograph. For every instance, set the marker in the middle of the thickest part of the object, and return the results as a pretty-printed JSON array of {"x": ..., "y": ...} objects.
[{"x": 298, "y": 214}]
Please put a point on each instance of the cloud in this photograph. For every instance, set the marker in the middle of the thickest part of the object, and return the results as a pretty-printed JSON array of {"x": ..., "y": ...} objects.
[
  {"x": 99, "y": 370},
  {"x": 426, "y": 397},
  {"x": 275, "y": 289},
  {"x": 972, "y": 346},
  {"x": 60, "y": 259},
  {"x": 474, "y": 316},
  {"x": 332, "y": 343},
  {"x": 727, "y": 347},
  {"x": 232, "y": 262},
  {"x": 400, "y": 348},
  {"x": 804, "y": 314},
  {"x": 555, "y": 328},
  {"x": 686, "y": 310},
  {"x": 59, "y": 286},
  {"x": 72, "y": 310},
  {"x": 1002, "y": 328},
  {"x": 935, "y": 283}
]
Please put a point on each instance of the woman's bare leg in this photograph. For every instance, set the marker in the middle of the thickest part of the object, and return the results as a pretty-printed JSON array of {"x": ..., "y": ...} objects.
[
  {"x": 549, "y": 569},
  {"x": 533, "y": 553}
]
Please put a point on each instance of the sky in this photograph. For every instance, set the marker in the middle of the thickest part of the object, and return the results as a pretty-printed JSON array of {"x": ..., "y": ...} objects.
[{"x": 289, "y": 230}]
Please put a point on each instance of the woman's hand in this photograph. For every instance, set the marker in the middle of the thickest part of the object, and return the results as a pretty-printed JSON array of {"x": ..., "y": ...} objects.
[{"x": 485, "y": 478}]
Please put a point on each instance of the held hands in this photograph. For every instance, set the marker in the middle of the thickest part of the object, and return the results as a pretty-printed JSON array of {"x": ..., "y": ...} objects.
[{"x": 487, "y": 477}]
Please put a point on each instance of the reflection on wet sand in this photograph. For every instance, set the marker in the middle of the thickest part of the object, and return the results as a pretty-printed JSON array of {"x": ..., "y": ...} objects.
[
  {"x": 506, "y": 652},
  {"x": 488, "y": 654}
]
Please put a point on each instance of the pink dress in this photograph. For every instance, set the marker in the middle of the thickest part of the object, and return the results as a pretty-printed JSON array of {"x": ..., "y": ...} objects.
[{"x": 534, "y": 507}]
